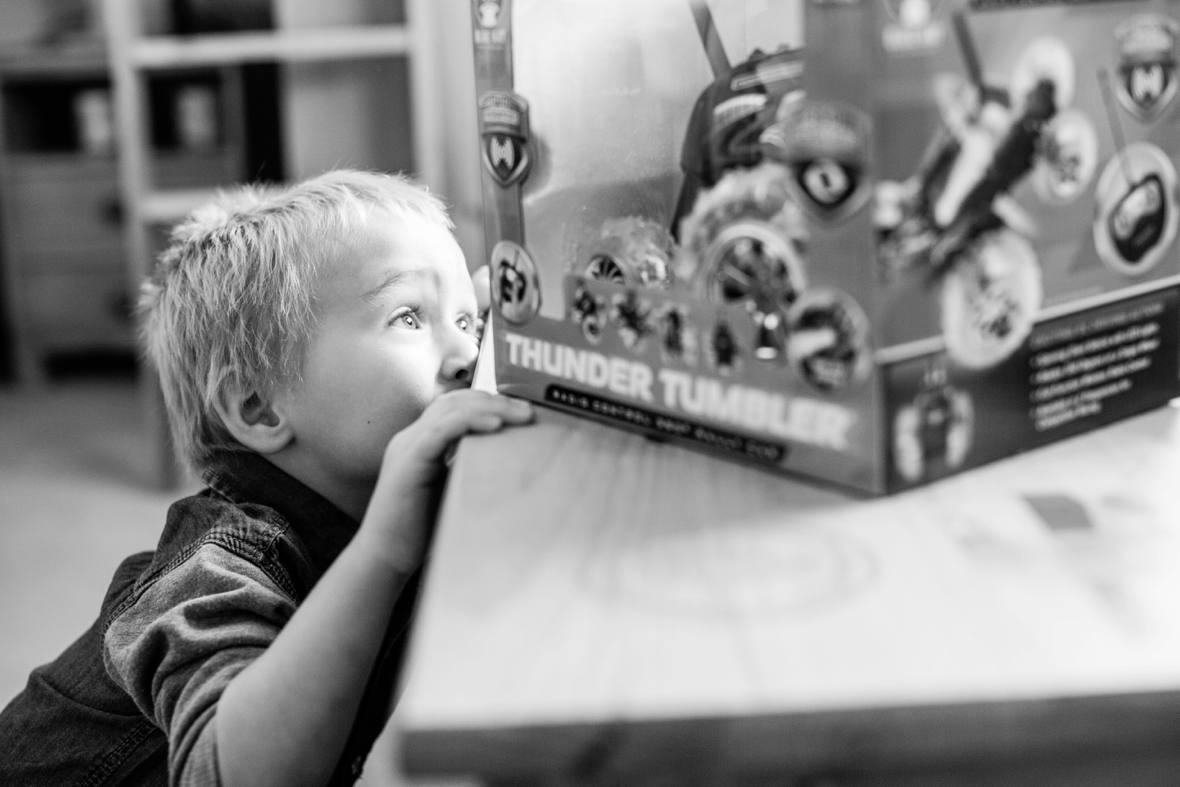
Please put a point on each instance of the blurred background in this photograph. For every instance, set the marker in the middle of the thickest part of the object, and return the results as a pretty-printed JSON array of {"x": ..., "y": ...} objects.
[{"x": 116, "y": 118}]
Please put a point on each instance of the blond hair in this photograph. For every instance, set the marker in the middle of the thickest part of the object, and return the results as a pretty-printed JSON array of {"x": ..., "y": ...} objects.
[{"x": 231, "y": 300}]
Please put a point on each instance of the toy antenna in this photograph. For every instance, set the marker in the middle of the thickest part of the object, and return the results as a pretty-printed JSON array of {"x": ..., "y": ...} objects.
[
  {"x": 967, "y": 49},
  {"x": 971, "y": 61},
  {"x": 1112, "y": 120},
  {"x": 714, "y": 49}
]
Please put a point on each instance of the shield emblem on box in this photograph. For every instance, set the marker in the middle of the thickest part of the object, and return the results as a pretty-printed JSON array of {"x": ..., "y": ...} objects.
[
  {"x": 1147, "y": 67},
  {"x": 826, "y": 150},
  {"x": 504, "y": 136},
  {"x": 487, "y": 13},
  {"x": 829, "y": 185}
]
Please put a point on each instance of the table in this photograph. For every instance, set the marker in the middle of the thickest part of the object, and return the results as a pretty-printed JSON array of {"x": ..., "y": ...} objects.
[{"x": 601, "y": 608}]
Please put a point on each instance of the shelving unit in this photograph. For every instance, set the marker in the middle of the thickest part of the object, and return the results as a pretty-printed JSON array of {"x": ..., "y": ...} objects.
[
  {"x": 349, "y": 42},
  {"x": 60, "y": 208},
  {"x": 62, "y": 205},
  {"x": 346, "y": 92}
]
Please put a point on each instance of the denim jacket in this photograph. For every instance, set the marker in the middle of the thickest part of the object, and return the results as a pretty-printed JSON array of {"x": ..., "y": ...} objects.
[{"x": 134, "y": 700}]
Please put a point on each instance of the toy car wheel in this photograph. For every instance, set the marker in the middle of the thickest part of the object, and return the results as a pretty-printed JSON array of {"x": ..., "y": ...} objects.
[
  {"x": 604, "y": 267},
  {"x": 633, "y": 251},
  {"x": 741, "y": 245},
  {"x": 753, "y": 265},
  {"x": 990, "y": 299}
]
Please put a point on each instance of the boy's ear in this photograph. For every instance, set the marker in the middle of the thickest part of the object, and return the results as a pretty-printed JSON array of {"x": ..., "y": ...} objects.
[{"x": 253, "y": 420}]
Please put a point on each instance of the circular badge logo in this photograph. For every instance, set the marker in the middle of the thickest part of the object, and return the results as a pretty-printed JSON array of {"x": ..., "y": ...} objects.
[
  {"x": 990, "y": 300},
  {"x": 829, "y": 339},
  {"x": 516, "y": 287},
  {"x": 1135, "y": 220}
]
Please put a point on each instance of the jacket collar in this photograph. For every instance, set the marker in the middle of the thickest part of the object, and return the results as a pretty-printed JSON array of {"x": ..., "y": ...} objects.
[{"x": 245, "y": 477}]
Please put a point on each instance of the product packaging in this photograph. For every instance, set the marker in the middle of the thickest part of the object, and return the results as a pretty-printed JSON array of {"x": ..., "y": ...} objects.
[{"x": 870, "y": 242}]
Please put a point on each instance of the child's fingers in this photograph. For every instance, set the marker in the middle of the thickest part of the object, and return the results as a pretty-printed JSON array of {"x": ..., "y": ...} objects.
[
  {"x": 477, "y": 401},
  {"x": 489, "y": 414},
  {"x": 517, "y": 411},
  {"x": 457, "y": 414},
  {"x": 486, "y": 422},
  {"x": 471, "y": 403},
  {"x": 504, "y": 411}
]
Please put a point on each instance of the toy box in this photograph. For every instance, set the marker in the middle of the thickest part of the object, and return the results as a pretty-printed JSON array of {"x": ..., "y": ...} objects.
[{"x": 872, "y": 242}]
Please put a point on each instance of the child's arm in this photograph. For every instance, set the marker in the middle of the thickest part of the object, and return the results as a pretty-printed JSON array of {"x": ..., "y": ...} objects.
[{"x": 284, "y": 720}]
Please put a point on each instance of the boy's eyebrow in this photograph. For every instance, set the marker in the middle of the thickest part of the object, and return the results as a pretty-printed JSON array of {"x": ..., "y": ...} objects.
[{"x": 392, "y": 280}]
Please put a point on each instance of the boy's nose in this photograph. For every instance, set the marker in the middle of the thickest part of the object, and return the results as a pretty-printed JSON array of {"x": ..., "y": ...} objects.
[{"x": 459, "y": 362}]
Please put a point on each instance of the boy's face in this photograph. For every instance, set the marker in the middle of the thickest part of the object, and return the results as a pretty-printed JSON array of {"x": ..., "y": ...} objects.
[{"x": 396, "y": 328}]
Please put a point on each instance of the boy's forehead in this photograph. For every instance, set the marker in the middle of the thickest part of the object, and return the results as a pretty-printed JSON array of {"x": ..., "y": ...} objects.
[
  {"x": 376, "y": 282},
  {"x": 388, "y": 254}
]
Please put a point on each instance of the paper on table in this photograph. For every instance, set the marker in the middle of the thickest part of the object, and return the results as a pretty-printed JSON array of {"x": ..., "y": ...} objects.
[{"x": 484, "y": 378}]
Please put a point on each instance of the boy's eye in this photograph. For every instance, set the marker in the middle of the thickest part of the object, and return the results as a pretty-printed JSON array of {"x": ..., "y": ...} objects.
[
  {"x": 466, "y": 323},
  {"x": 406, "y": 319}
]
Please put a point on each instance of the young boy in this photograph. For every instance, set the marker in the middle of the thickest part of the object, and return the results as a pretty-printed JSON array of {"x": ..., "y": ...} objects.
[{"x": 315, "y": 347}]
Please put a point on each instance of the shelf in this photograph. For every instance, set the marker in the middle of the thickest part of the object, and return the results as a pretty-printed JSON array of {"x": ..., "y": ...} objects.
[
  {"x": 334, "y": 43},
  {"x": 79, "y": 59},
  {"x": 70, "y": 163}
]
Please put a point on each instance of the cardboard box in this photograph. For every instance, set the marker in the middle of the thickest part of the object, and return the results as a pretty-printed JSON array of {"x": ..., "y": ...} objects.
[{"x": 937, "y": 234}]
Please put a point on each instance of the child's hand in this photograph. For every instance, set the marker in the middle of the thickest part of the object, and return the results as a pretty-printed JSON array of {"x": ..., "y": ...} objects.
[{"x": 401, "y": 513}]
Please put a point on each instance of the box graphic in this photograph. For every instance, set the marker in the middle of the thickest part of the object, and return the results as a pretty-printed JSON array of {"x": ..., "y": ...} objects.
[{"x": 935, "y": 234}]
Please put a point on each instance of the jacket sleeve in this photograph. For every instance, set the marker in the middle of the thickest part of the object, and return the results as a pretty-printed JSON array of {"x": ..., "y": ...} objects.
[{"x": 183, "y": 639}]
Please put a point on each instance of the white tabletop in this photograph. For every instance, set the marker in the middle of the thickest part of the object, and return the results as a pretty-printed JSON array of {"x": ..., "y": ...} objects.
[{"x": 585, "y": 581}]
